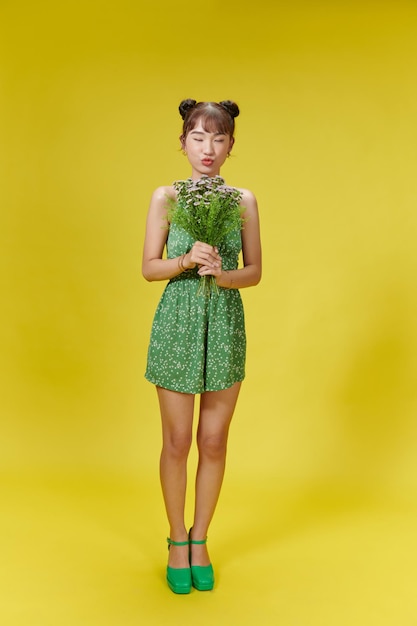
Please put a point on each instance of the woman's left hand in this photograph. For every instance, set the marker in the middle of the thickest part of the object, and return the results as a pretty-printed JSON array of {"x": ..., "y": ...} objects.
[{"x": 208, "y": 270}]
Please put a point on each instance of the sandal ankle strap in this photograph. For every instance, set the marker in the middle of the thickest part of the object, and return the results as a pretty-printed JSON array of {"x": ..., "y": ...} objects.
[
  {"x": 198, "y": 543},
  {"x": 177, "y": 543}
]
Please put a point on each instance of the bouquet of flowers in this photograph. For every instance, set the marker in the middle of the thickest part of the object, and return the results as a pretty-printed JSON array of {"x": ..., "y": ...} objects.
[{"x": 208, "y": 210}]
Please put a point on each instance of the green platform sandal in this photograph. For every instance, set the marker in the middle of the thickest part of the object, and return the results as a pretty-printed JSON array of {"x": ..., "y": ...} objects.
[
  {"x": 202, "y": 576},
  {"x": 178, "y": 579}
]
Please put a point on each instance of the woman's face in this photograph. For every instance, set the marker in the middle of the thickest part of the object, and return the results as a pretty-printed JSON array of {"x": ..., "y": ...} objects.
[{"x": 206, "y": 151}]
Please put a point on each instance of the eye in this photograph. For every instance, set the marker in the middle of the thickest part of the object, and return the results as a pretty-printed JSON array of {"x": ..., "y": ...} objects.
[
  {"x": 219, "y": 140},
  {"x": 196, "y": 139}
]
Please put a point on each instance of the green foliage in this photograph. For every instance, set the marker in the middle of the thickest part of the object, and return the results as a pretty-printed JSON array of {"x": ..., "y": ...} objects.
[{"x": 208, "y": 210}]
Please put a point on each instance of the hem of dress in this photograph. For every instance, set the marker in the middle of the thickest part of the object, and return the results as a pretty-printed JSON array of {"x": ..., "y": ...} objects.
[{"x": 157, "y": 384}]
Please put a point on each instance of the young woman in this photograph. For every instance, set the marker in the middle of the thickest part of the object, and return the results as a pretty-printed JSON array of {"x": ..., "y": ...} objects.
[{"x": 198, "y": 340}]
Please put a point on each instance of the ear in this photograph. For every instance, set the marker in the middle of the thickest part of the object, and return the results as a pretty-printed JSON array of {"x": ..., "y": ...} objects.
[
  {"x": 232, "y": 141},
  {"x": 182, "y": 141}
]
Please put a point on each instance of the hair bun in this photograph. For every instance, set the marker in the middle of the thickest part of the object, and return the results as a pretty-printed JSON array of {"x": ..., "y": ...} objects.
[
  {"x": 231, "y": 107},
  {"x": 185, "y": 106}
]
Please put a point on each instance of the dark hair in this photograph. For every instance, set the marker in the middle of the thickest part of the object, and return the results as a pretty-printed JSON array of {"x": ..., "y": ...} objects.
[{"x": 216, "y": 117}]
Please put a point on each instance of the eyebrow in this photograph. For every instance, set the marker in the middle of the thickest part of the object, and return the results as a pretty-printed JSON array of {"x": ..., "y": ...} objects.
[{"x": 199, "y": 132}]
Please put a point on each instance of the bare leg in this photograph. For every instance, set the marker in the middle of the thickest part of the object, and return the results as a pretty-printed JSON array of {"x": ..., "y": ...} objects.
[
  {"x": 177, "y": 419},
  {"x": 216, "y": 412}
]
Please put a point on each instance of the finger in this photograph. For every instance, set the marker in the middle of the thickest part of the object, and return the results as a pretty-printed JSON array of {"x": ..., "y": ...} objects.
[
  {"x": 209, "y": 259},
  {"x": 205, "y": 248},
  {"x": 206, "y": 270}
]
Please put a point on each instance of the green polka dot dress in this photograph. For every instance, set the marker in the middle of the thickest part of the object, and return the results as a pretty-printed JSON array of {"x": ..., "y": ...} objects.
[{"x": 198, "y": 341}]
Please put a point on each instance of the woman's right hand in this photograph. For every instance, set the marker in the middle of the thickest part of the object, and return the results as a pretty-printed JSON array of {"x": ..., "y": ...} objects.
[{"x": 202, "y": 254}]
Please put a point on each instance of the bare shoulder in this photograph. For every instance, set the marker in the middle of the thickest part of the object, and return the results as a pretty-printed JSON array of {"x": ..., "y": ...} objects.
[
  {"x": 160, "y": 200},
  {"x": 249, "y": 201},
  {"x": 161, "y": 194}
]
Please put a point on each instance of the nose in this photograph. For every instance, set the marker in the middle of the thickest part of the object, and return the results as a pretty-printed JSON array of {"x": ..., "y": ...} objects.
[{"x": 208, "y": 147}]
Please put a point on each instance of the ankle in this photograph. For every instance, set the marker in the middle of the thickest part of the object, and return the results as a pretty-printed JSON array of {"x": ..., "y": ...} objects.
[
  {"x": 176, "y": 534},
  {"x": 197, "y": 535}
]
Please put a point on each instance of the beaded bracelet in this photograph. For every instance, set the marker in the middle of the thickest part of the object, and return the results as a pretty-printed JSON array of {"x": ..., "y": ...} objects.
[{"x": 181, "y": 263}]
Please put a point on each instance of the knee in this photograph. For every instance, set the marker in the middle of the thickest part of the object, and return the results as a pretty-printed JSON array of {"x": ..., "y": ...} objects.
[
  {"x": 213, "y": 446},
  {"x": 177, "y": 445}
]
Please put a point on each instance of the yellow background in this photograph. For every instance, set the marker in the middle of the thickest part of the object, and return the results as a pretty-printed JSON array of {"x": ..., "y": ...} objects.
[{"x": 316, "y": 523}]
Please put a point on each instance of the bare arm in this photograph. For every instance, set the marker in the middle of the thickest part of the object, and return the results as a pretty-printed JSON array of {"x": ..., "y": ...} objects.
[
  {"x": 250, "y": 274},
  {"x": 154, "y": 266}
]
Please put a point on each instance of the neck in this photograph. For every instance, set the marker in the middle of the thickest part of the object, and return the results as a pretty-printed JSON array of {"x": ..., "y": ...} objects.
[{"x": 197, "y": 175}]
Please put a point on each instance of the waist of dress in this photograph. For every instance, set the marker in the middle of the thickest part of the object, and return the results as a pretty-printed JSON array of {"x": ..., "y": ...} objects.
[
  {"x": 187, "y": 275},
  {"x": 193, "y": 274}
]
